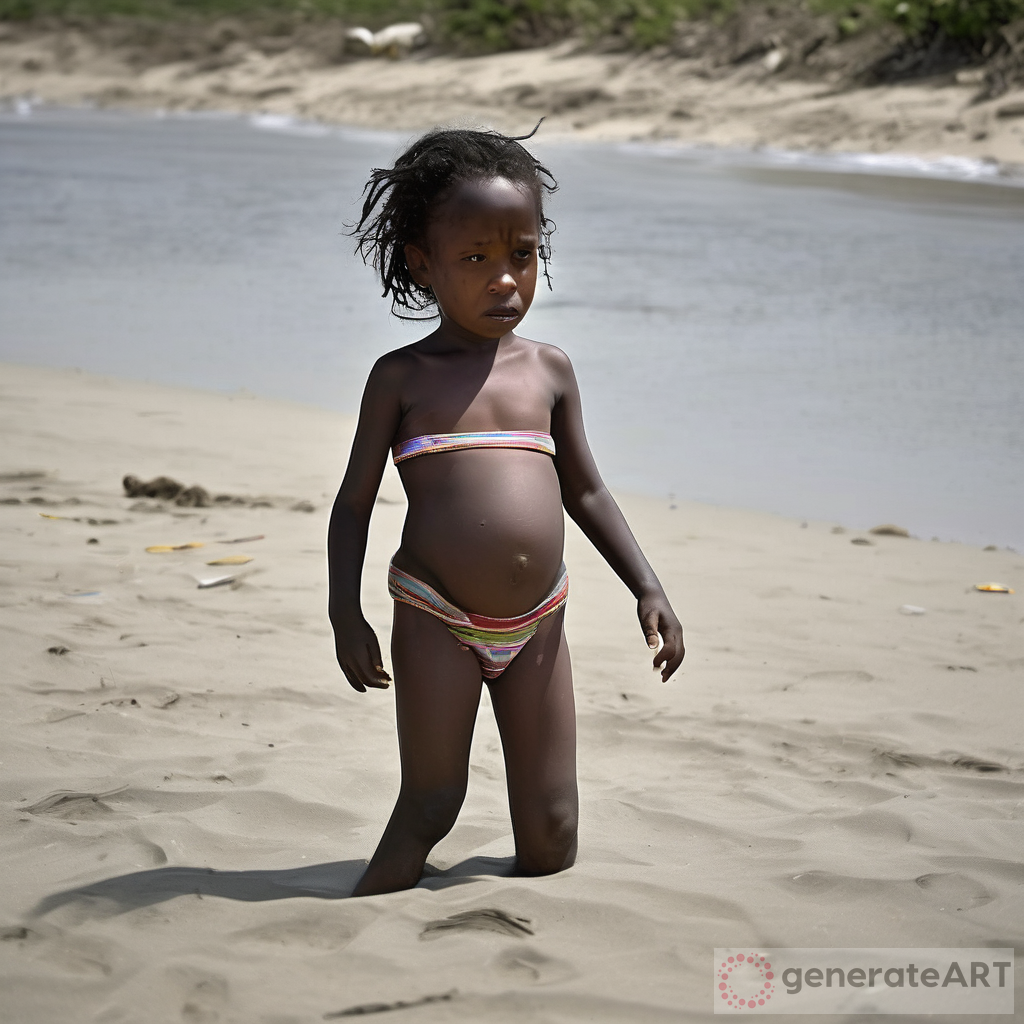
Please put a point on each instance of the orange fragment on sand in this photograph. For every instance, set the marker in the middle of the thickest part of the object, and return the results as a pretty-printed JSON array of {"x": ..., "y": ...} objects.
[
  {"x": 162, "y": 549},
  {"x": 231, "y": 560},
  {"x": 993, "y": 588}
]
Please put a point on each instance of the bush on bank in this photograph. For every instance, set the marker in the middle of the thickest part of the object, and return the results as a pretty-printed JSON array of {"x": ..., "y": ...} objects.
[{"x": 491, "y": 25}]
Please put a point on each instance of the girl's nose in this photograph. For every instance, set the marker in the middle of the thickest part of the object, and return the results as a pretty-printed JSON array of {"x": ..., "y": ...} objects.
[{"x": 502, "y": 284}]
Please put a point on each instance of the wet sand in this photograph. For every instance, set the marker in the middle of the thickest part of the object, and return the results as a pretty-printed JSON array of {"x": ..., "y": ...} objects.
[{"x": 190, "y": 788}]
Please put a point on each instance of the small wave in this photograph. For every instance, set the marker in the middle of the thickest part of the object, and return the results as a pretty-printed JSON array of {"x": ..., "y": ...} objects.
[
  {"x": 950, "y": 168},
  {"x": 288, "y": 123}
]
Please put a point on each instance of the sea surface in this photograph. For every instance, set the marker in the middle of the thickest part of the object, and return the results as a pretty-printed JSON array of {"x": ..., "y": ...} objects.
[{"x": 838, "y": 341}]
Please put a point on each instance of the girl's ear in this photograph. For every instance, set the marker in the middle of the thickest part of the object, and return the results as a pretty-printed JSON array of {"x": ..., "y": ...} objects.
[{"x": 416, "y": 261}]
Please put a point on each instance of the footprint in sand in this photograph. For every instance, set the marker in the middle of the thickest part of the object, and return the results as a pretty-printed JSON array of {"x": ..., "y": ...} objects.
[
  {"x": 482, "y": 920},
  {"x": 953, "y": 891},
  {"x": 842, "y": 676},
  {"x": 204, "y": 995},
  {"x": 529, "y": 965},
  {"x": 79, "y": 956},
  {"x": 310, "y": 931},
  {"x": 74, "y": 804}
]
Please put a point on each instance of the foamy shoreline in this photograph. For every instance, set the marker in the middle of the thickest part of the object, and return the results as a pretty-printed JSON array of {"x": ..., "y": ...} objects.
[{"x": 827, "y": 771}]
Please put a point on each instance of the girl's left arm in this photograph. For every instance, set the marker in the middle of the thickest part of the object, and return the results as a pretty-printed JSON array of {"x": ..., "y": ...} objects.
[{"x": 593, "y": 509}]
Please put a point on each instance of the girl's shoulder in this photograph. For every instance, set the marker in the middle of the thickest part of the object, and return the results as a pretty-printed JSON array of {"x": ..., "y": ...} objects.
[
  {"x": 551, "y": 357},
  {"x": 394, "y": 366}
]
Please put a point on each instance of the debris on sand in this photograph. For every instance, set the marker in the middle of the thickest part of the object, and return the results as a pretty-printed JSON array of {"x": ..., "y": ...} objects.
[
  {"x": 88, "y": 520},
  {"x": 206, "y": 582},
  {"x": 402, "y": 1004},
  {"x": 167, "y": 489},
  {"x": 231, "y": 560},
  {"x": 888, "y": 530}
]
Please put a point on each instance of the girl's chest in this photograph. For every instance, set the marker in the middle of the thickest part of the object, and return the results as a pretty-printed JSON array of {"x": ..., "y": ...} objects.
[{"x": 437, "y": 404}]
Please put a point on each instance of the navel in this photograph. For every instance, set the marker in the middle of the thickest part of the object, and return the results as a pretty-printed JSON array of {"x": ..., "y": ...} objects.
[{"x": 519, "y": 564}]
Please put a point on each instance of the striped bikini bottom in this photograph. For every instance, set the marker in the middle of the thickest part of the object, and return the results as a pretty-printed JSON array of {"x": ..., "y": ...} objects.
[{"x": 495, "y": 642}]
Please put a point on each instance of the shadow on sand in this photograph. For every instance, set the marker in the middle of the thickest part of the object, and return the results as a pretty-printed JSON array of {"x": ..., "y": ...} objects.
[{"x": 332, "y": 881}]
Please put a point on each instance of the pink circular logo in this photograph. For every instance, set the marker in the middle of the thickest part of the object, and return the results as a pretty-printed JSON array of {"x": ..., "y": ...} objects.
[{"x": 746, "y": 981}]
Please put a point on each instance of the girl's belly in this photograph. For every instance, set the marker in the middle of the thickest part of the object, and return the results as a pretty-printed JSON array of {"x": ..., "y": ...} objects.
[{"x": 484, "y": 528}]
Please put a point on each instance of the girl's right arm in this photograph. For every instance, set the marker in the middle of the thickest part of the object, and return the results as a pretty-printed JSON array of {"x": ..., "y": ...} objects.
[{"x": 355, "y": 642}]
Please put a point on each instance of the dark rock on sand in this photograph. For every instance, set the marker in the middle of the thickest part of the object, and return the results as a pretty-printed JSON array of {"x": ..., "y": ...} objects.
[
  {"x": 167, "y": 489},
  {"x": 888, "y": 530}
]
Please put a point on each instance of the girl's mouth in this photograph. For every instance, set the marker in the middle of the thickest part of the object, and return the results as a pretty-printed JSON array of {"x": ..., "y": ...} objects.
[{"x": 503, "y": 313}]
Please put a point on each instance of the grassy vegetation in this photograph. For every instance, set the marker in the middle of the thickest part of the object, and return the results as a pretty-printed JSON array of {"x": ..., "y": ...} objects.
[
  {"x": 974, "y": 21},
  {"x": 488, "y": 25},
  {"x": 348, "y": 10}
]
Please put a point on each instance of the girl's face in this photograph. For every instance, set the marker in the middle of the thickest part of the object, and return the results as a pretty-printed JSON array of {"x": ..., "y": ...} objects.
[{"x": 480, "y": 256}]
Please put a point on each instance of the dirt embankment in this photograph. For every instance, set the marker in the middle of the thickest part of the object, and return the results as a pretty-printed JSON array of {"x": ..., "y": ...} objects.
[{"x": 785, "y": 79}]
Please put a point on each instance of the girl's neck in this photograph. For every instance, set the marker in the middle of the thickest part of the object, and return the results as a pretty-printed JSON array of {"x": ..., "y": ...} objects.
[{"x": 450, "y": 336}]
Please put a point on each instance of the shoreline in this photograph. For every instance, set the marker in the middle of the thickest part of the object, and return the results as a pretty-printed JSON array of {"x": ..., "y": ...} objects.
[
  {"x": 193, "y": 790},
  {"x": 958, "y": 170},
  {"x": 619, "y": 98}
]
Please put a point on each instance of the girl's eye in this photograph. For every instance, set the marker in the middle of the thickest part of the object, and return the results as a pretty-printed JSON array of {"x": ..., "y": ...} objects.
[
  {"x": 523, "y": 254},
  {"x": 477, "y": 257}
]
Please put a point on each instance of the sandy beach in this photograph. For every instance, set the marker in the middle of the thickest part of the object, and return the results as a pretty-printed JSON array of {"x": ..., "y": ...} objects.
[
  {"x": 584, "y": 93},
  {"x": 190, "y": 789}
]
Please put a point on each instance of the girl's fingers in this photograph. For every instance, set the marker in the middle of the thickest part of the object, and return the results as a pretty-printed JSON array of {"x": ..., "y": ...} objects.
[
  {"x": 372, "y": 673},
  {"x": 377, "y": 677},
  {"x": 360, "y": 676},
  {"x": 671, "y": 654},
  {"x": 353, "y": 680},
  {"x": 670, "y": 667}
]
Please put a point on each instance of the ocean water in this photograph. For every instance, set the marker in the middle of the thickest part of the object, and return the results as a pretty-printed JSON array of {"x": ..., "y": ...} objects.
[{"x": 827, "y": 338}]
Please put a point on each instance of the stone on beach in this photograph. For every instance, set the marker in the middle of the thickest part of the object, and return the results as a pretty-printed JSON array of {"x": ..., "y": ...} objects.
[{"x": 889, "y": 530}]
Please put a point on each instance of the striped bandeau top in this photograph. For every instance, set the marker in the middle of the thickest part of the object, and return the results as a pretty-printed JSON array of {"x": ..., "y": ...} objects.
[{"x": 528, "y": 440}]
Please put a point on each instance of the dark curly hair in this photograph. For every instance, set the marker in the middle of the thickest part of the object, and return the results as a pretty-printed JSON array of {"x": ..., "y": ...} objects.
[{"x": 399, "y": 201}]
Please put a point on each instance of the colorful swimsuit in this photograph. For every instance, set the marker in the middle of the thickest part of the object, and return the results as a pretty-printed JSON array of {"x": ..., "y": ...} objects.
[
  {"x": 495, "y": 642},
  {"x": 530, "y": 440}
]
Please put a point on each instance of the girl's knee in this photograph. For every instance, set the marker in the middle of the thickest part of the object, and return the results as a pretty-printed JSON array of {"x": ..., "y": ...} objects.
[
  {"x": 550, "y": 842},
  {"x": 430, "y": 814}
]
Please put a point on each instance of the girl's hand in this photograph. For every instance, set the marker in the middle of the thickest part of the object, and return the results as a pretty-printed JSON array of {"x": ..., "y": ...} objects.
[
  {"x": 358, "y": 651},
  {"x": 656, "y": 617}
]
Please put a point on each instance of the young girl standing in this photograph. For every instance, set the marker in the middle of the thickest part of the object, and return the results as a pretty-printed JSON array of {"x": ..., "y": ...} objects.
[{"x": 487, "y": 431}]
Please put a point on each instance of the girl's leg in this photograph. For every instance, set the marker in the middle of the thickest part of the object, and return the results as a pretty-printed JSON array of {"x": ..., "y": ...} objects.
[
  {"x": 437, "y": 693},
  {"x": 536, "y": 715}
]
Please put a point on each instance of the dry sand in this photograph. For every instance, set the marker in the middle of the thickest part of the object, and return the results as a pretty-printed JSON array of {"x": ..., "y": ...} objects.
[
  {"x": 190, "y": 788},
  {"x": 590, "y": 95}
]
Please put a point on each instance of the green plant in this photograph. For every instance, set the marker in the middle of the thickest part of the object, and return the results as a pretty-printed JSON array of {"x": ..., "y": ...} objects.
[
  {"x": 972, "y": 20},
  {"x": 490, "y": 25}
]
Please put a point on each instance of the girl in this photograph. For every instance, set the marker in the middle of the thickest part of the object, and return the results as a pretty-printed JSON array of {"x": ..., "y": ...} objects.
[{"x": 487, "y": 430}]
